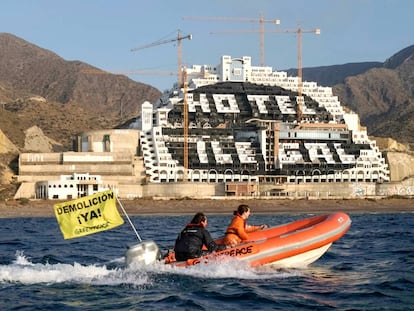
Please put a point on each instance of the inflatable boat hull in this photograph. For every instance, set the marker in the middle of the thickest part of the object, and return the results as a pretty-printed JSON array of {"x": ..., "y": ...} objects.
[{"x": 292, "y": 245}]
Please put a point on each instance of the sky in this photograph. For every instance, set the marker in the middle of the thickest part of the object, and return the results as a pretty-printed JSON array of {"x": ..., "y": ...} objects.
[{"x": 102, "y": 33}]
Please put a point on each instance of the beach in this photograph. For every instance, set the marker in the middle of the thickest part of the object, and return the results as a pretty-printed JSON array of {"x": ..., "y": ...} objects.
[{"x": 44, "y": 208}]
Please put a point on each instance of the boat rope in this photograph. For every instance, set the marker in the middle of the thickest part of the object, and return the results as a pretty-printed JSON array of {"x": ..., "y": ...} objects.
[{"x": 129, "y": 219}]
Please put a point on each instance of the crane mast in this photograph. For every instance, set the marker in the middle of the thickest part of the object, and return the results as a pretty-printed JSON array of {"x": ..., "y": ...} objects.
[
  {"x": 185, "y": 124},
  {"x": 178, "y": 39},
  {"x": 262, "y": 31},
  {"x": 299, "y": 33}
]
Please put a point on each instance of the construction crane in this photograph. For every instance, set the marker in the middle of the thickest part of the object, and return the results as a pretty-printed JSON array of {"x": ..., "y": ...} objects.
[
  {"x": 261, "y": 20},
  {"x": 96, "y": 71},
  {"x": 185, "y": 120},
  {"x": 178, "y": 39},
  {"x": 185, "y": 123},
  {"x": 299, "y": 33}
]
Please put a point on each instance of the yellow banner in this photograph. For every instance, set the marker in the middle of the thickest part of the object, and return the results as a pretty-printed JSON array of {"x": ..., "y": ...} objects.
[{"x": 88, "y": 215}]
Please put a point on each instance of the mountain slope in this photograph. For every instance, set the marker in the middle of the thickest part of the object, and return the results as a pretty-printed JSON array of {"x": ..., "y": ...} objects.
[
  {"x": 335, "y": 74},
  {"x": 37, "y": 87},
  {"x": 381, "y": 93},
  {"x": 384, "y": 97}
]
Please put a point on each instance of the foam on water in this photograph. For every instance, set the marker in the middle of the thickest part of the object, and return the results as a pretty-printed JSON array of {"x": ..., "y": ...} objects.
[
  {"x": 223, "y": 269},
  {"x": 22, "y": 270}
]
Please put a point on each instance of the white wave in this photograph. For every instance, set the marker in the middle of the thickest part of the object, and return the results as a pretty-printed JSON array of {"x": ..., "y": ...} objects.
[
  {"x": 223, "y": 269},
  {"x": 22, "y": 270}
]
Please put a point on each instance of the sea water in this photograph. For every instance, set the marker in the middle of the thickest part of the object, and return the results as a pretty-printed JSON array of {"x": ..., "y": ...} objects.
[{"x": 370, "y": 268}]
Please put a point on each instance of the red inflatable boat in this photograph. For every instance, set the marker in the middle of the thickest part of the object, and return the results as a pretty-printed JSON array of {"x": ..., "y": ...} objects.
[{"x": 292, "y": 245}]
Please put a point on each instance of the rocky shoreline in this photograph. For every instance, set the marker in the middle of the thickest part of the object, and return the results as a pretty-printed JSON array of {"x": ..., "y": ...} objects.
[{"x": 44, "y": 208}]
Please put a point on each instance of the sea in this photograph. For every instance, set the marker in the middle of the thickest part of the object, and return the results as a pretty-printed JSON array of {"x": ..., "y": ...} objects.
[{"x": 370, "y": 268}]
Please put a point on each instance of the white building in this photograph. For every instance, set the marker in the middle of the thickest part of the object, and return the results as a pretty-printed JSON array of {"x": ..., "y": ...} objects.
[
  {"x": 242, "y": 122},
  {"x": 70, "y": 187}
]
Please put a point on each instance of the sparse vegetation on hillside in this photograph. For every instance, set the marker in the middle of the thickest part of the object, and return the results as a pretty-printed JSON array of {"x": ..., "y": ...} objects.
[
  {"x": 37, "y": 87},
  {"x": 383, "y": 99}
]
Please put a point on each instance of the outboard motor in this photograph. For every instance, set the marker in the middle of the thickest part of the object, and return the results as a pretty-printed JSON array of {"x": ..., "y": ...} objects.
[{"x": 144, "y": 253}]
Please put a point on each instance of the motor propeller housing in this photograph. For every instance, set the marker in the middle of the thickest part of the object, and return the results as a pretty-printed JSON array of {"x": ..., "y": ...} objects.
[{"x": 144, "y": 253}]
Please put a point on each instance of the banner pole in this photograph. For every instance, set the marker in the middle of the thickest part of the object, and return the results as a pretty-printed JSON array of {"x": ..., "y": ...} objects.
[{"x": 129, "y": 220}]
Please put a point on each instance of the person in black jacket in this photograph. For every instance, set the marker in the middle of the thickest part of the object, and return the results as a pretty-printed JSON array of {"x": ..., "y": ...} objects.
[{"x": 191, "y": 239}]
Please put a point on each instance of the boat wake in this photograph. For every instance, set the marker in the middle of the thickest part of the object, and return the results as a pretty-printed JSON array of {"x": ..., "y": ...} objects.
[{"x": 23, "y": 271}]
